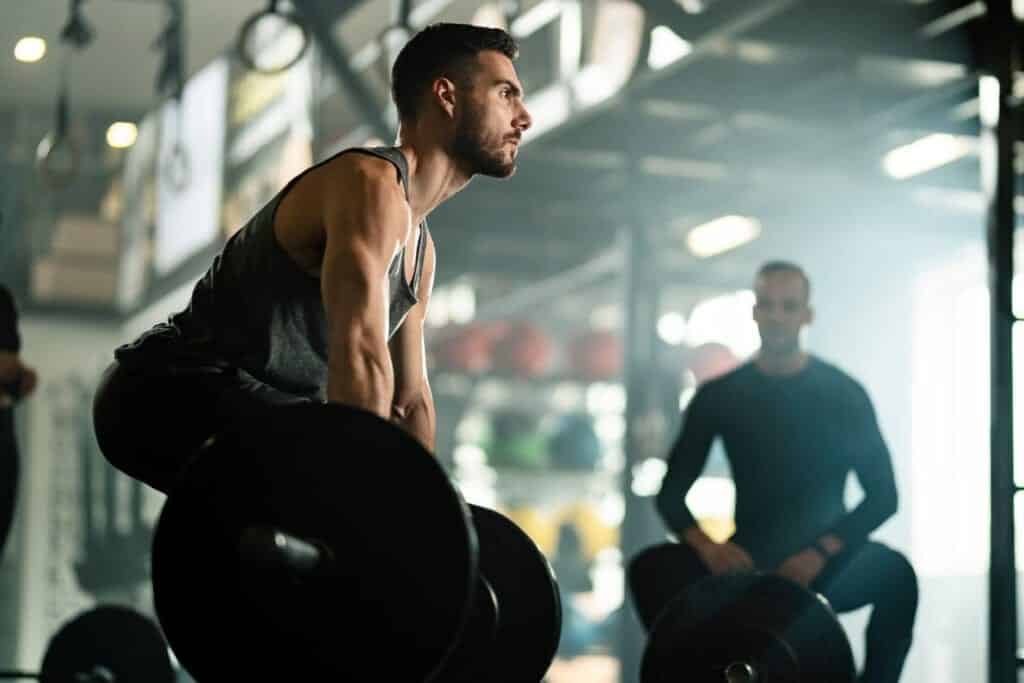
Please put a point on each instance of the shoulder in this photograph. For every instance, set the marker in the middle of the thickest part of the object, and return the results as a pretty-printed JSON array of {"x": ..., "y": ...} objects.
[
  {"x": 837, "y": 381},
  {"x": 362, "y": 194},
  {"x": 725, "y": 385},
  {"x": 359, "y": 170}
]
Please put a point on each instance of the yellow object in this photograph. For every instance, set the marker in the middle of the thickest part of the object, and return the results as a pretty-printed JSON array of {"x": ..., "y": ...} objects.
[
  {"x": 719, "y": 529},
  {"x": 595, "y": 533},
  {"x": 538, "y": 525}
]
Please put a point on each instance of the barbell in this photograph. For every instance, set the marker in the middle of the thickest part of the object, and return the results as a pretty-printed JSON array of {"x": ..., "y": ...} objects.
[
  {"x": 106, "y": 644},
  {"x": 325, "y": 542}
]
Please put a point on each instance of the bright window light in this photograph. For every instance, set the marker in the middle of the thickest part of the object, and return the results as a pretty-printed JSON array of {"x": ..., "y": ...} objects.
[
  {"x": 988, "y": 100},
  {"x": 666, "y": 47},
  {"x": 30, "y": 49},
  {"x": 672, "y": 328},
  {"x": 538, "y": 16},
  {"x": 122, "y": 134},
  {"x": 721, "y": 235},
  {"x": 926, "y": 154}
]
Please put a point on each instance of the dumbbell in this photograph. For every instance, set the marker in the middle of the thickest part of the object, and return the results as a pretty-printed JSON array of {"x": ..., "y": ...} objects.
[
  {"x": 106, "y": 644},
  {"x": 329, "y": 543}
]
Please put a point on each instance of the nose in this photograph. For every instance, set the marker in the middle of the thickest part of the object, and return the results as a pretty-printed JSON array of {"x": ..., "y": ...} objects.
[{"x": 523, "y": 120}]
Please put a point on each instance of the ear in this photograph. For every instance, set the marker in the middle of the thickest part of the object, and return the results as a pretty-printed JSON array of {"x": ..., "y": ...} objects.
[
  {"x": 444, "y": 94},
  {"x": 810, "y": 316}
]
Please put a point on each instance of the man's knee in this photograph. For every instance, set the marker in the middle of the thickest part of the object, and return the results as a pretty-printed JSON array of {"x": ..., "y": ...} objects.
[
  {"x": 108, "y": 408},
  {"x": 900, "y": 581},
  {"x": 126, "y": 429}
]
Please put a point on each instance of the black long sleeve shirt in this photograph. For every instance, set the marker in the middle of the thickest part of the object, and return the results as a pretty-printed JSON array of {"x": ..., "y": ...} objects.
[
  {"x": 9, "y": 340},
  {"x": 791, "y": 441}
]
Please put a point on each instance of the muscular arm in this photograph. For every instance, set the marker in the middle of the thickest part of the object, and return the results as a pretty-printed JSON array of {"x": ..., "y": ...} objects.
[
  {"x": 365, "y": 225},
  {"x": 873, "y": 466},
  {"x": 413, "y": 404},
  {"x": 685, "y": 463}
]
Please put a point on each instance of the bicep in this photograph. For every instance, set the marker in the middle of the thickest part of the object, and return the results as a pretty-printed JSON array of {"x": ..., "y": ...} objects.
[{"x": 869, "y": 452}]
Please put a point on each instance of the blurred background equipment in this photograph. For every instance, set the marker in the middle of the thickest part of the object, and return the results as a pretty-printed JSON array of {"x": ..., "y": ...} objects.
[
  {"x": 273, "y": 40},
  {"x": 525, "y": 350}
]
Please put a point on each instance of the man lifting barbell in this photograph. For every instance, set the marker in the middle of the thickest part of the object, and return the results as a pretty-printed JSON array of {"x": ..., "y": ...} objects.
[
  {"x": 793, "y": 427},
  {"x": 323, "y": 294},
  {"x": 323, "y": 540}
]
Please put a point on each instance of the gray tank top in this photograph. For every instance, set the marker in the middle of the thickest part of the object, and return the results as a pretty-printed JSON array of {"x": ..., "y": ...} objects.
[{"x": 255, "y": 310}]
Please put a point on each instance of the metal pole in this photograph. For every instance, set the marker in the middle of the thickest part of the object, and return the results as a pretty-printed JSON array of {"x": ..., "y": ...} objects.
[
  {"x": 998, "y": 182},
  {"x": 644, "y": 426}
]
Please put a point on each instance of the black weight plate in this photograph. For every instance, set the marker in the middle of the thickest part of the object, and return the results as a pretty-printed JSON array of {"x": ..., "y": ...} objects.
[
  {"x": 397, "y": 593},
  {"x": 783, "y": 631},
  {"x": 657, "y": 574},
  {"x": 108, "y": 640},
  {"x": 529, "y": 606},
  {"x": 810, "y": 626},
  {"x": 472, "y": 655}
]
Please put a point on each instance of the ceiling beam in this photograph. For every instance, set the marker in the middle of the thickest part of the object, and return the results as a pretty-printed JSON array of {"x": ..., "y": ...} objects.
[{"x": 320, "y": 24}]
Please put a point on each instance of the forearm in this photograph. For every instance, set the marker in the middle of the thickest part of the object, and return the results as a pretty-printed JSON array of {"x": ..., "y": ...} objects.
[
  {"x": 695, "y": 537},
  {"x": 685, "y": 463},
  {"x": 419, "y": 420},
  {"x": 865, "y": 518},
  {"x": 363, "y": 378},
  {"x": 11, "y": 368}
]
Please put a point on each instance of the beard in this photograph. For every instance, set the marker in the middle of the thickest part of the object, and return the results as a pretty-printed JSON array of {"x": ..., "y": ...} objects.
[
  {"x": 478, "y": 151},
  {"x": 777, "y": 343}
]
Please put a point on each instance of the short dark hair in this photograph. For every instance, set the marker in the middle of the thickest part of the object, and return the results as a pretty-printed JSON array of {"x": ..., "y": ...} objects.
[
  {"x": 772, "y": 267},
  {"x": 442, "y": 49}
]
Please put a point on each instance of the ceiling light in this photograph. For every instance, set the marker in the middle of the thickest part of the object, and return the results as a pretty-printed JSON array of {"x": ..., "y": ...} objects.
[
  {"x": 926, "y": 154},
  {"x": 122, "y": 134},
  {"x": 666, "y": 47},
  {"x": 30, "y": 49},
  {"x": 530, "y": 21},
  {"x": 721, "y": 235}
]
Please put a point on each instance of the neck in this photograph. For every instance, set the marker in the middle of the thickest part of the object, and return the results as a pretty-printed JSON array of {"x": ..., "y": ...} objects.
[
  {"x": 784, "y": 363},
  {"x": 434, "y": 175}
]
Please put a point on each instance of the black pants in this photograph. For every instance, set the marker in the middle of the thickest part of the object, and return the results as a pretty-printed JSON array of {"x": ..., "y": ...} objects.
[
  {"x": 876, "y": 575},
  {"x": 150, "y": 421},
  {"x": 872, "y": 574},
  {"x": 8, "y": 474}
]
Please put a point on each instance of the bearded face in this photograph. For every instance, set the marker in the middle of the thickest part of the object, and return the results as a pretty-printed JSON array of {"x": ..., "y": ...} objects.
[
  {"x": 490, "y": 118},
  {"x": 484, "y": 149}
]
